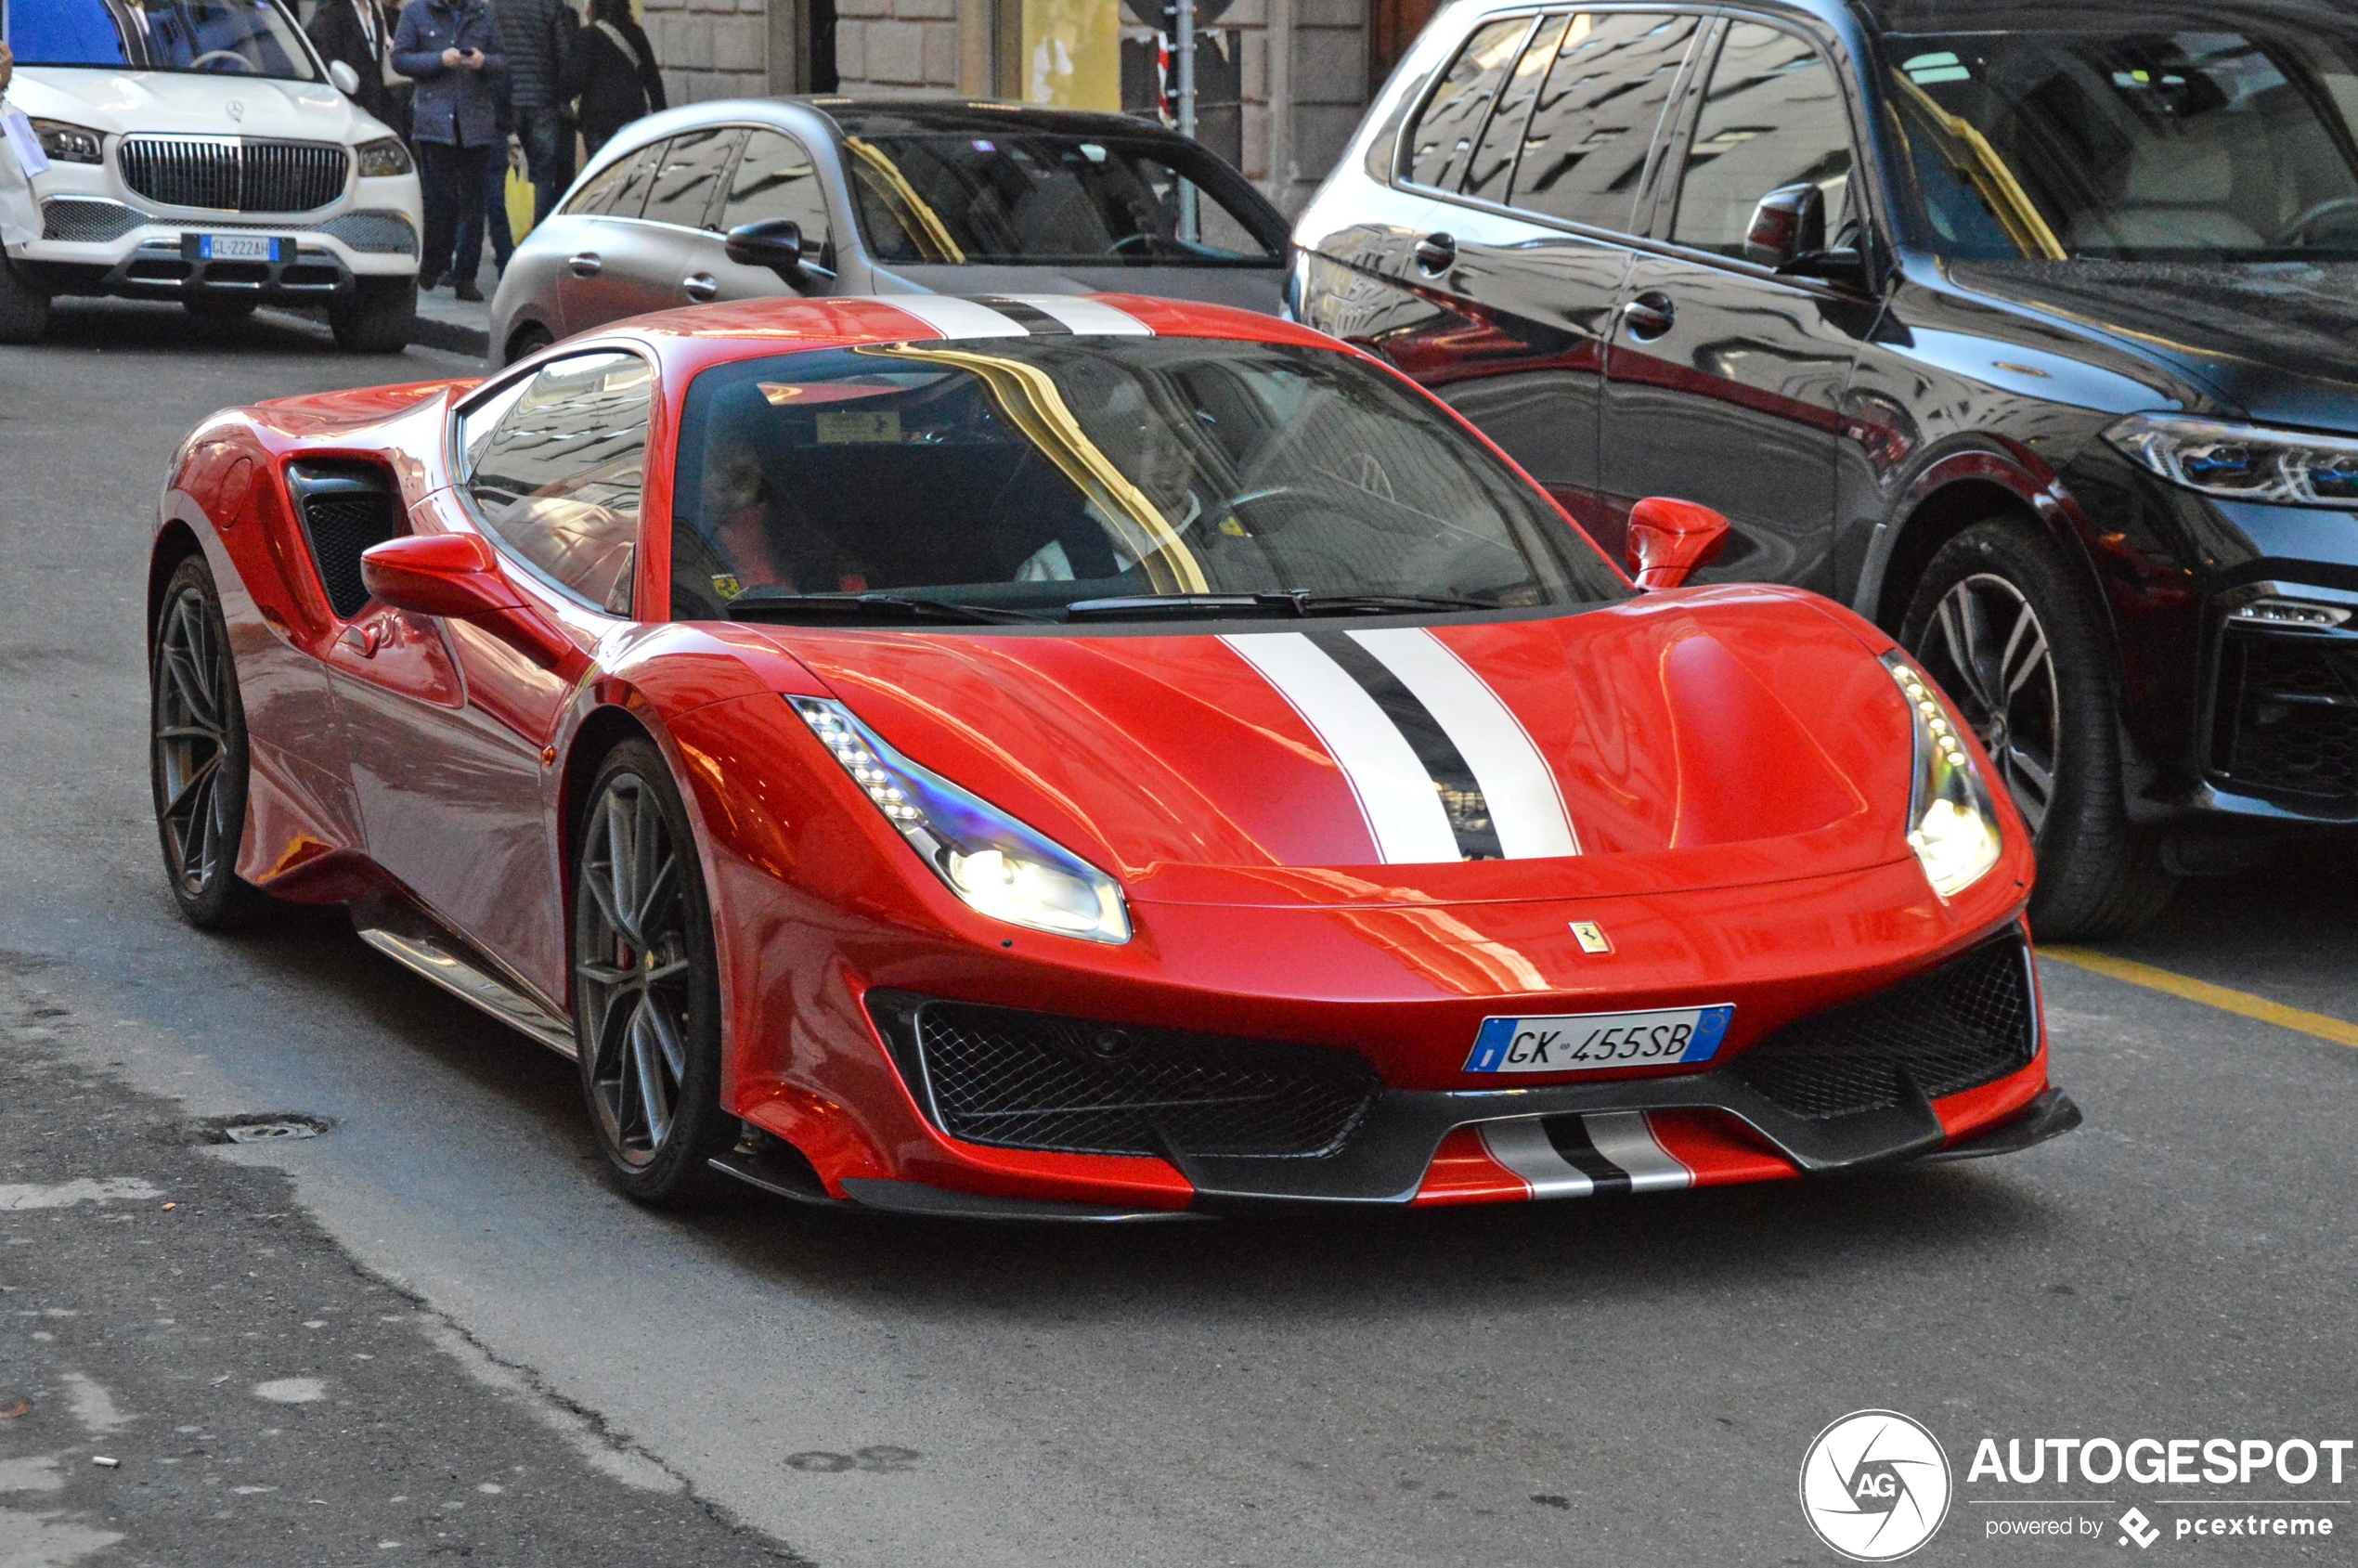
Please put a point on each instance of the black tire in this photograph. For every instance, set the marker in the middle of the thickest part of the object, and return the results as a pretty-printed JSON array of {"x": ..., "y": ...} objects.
[
  {"x": 220, "y": 307},
  {"x": 24, "y": 310},
  {"x": 378, "y": 318},
  {"x": 646, "y": 985},
  {"x": 2099, "y": 875},
  {"x": 198, "y": 761},
  {"x": 526, "y": 343}
]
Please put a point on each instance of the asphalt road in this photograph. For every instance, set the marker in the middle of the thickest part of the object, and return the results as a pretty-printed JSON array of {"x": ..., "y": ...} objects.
[{"x": 453, "y": 1301}]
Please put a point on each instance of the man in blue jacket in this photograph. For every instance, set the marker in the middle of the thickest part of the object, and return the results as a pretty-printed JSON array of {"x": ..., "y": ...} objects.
[{"x": 451, "y": 48}]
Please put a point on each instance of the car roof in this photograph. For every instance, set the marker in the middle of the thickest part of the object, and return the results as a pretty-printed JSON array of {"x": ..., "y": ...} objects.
[
  {"x": 884, "y": 117},
  {"x": 2002, "y": 16}
]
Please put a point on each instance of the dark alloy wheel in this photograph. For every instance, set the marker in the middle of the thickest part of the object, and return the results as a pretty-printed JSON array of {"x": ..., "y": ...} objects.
[
  {"x": 646, "y": 991},
  {"x": 1998, "y": 621},
  {"x": 197, "y": 758}
]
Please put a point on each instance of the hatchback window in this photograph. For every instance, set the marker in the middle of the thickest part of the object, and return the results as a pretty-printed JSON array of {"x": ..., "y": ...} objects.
[
  {"x": 1585, "y": 149},
  {"x": 252, "y": 38},
  {"x": 1492, "y": 167},
  {"x": 2182, "y": 145},
  {"x": 1028, "y": 474},
  {"x": 690, "y": 175},
  {"x": 1442, "y": 142},
  {"x": 557, "y": 477},
  {"x": 1772, "y": 116},
  {"x": 777, "y": 178},
  {"x": 619, "y": 191}
]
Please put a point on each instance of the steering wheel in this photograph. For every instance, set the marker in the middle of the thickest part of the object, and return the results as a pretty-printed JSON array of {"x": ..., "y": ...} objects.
[
  {"x": 245, "y": 66},
  {"x": 2307, "y": 220},
  {"x": 1143, "y": 242}
]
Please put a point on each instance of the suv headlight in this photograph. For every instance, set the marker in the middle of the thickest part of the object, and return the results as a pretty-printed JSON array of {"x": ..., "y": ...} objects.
[
  {"x": 67, "y": 143},
  {"x": 2242, "y": 462},
  {"x": 1951, "y": 826},
  {"x": 995, "y": 863},
  {"x": 382, "y": 158}
]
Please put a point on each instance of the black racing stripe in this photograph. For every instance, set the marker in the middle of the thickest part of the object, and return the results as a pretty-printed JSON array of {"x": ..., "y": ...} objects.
[
  {"x": 1453, "y": 776},
  {"x": 1031, "y": 318},
  {"x": 1570, "y": 1135}
]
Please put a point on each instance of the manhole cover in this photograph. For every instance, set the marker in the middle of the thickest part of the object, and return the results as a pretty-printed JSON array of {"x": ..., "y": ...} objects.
[{"x": 268, "y": 1127}]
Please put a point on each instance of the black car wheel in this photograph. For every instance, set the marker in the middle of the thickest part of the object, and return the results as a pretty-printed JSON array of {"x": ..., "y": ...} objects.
[
  {"x": 24, "y": 310},
  {"x": 646, "y": 993},
  {"x": 1998, "y": 621},
  {"x": 197, "y": 760},
  {"x": 379, "y": 317}
]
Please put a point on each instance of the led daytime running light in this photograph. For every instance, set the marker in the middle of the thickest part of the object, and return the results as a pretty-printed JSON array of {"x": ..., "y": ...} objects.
[{"x": 1951, "y": 825}]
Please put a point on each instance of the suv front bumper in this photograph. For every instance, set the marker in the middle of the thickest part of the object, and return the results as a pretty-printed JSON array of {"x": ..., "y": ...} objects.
[{"x": 101, "y": 245}]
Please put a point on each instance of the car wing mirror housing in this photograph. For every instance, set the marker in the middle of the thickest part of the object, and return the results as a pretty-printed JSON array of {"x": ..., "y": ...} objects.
[
  {"x": 775, "y": 243},
  {"x": 1789, "y": 223},
  {"x": 347, "y": 80},
  {"x": 1669, "y": 539},
  {"x": 458, "y": 576}
]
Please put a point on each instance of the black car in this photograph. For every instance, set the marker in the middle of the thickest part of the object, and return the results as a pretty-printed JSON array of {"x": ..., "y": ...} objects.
[{"x": 2029, "y": 330}]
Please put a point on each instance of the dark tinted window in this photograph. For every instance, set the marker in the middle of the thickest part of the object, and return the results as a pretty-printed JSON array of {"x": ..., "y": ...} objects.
[
  {"x": 1022, "y": 195},
  {"x": 1585, "y": 149},
  {"x": 689, "y": 179},
  {"x": 620, "y": 189},
  {"x": 1442, "y": 142},
  {"x": 555, "y": 469},
  {"x": 1034, "y": 472},
  {"x": 1771, "y": 117},
  {"x": 1493, "y": 164},
  {"x": 775, "y": 178}
]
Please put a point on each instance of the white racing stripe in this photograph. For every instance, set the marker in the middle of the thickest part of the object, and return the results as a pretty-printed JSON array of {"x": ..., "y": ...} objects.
[
  {"x": 1083, "y": 315},
  {"x": 955, "y": 318},
  {"x": 1526, "y": 806},
  {"x": 1404, "y": 810},
  {"x": 1522, "y": 1146},
  {"x": 1626, "y": 1138}
]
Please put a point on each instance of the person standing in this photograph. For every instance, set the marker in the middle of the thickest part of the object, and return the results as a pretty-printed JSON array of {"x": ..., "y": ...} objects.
[
  {"x": 501, "y": 233},
  {"x": 540, "y": 37},
  {"x": 614, "y": 73},
  {"x": 359, "y": 33},
  {"x": 451, "y": 49}
]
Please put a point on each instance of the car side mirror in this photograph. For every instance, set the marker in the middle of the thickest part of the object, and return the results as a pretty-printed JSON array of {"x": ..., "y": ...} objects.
[
  {"x": 1790, "y": 223},
  {"x": 458, "y": 576},
  {"x": 775, "y": 243},
  {"x": 1668, "y": 539},
  {"x": 347, "y": 80}
]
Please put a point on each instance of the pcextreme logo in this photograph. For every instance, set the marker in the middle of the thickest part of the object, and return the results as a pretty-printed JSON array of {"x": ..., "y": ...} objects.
[{"x": 1874, "y": 1485}]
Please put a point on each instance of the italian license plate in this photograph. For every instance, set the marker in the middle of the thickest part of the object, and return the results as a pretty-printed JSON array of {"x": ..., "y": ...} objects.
[
  {"x": 240, "y": 247},
  {"x": 1590, "y": 1041}
]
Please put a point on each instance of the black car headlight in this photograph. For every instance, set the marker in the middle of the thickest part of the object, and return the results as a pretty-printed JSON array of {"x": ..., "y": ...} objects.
[
  {"x": 2243, "y": 462},
  {"x": 382, "y": 158},
  {"x": 1952, "y": 826},
  {"x": 67, "y": 143}
]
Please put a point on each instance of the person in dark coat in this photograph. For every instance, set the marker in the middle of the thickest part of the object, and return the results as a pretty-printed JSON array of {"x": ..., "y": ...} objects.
[
  {"x": 451, "y": 48},
  {"x": 359, "y": 33},
  {"x": 497, "y": 227},
  {"x": 541, "y": 36},
  {"x": 614, "y": 73}
]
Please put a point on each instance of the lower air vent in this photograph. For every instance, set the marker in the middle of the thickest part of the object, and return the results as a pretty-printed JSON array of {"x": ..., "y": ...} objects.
[{"x": 345, "y": 508}]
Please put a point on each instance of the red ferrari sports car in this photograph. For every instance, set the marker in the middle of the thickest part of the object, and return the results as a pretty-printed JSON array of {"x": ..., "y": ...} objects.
[{"x": 1082, "y": 757}]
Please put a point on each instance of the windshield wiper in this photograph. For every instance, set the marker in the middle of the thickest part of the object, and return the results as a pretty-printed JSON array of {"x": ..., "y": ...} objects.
[
  {"x": 1295, "y": 601},
  {"x": 757, "y": 606}
]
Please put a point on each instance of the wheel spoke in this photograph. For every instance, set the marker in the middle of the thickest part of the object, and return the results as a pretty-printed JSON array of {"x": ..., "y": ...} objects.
[
  {"x": 2026, "y": 651},
  {"x": 605, "y": 974},
  {"x": 658, "y": 884},
  {"x": 1958, "y": 639},
  {"x": 646, "y": 1058},
  {"x": 2032, "y": 782},
  {"x": 189, "y": 786},
  {"x": 675, "y": 1052},
  {"x": 621, "y": 849}
]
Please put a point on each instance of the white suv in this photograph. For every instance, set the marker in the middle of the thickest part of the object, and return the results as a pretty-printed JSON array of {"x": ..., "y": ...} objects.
[{"x": 200, "y": 151}]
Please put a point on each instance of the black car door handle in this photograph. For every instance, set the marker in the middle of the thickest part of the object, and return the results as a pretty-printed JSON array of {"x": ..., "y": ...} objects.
[
  {"x": 586, "y": 265},
  {"x": 1650, "y": 314},
  {"x": 1436, "y": 254}
]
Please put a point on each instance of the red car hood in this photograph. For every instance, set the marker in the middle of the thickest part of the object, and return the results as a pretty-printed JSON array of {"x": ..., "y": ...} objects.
[{"x": 1713, "y": 737}]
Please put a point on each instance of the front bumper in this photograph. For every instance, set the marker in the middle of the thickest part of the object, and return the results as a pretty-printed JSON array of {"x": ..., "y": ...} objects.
[
  {"x": 101, "y": 245},
  {"x": 2282, "y": 730}
]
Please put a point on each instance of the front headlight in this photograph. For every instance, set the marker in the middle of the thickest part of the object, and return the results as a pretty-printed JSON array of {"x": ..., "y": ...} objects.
[
  {"x": 382, "y": 158},
  {"x": 986, "y": 857},
  {"x": 1951, "y": 826},
  {"x": 67, "y": 143},
  {"x": 2241, "y": 462}
]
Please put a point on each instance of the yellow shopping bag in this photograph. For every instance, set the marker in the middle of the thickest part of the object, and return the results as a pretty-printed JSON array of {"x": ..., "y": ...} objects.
[{"x": 519, "y": 195}]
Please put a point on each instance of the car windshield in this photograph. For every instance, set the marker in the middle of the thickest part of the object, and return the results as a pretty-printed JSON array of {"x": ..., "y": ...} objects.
[
  {"x": 221, "y": 37},
  {"x": 2189, "y": 145},
  {"x": 1026, "y": 196},
  {"x": 1026, "y": 477}
]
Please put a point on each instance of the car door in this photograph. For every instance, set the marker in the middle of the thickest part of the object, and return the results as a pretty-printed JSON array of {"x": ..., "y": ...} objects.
[
  {"x": 1724, "y": 380},
  {"x": 774, "y": 177},
  {"x": 685, "y": 201},
  {"x": 619, "y": 265},
  {"x": 447, "y": 728}
]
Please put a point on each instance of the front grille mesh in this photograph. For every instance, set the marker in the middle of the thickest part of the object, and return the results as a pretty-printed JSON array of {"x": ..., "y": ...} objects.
[
  {"x": 1018, "y": 1079},
  {"x": 2287, "y": 714},
  {"x": 378, "y": 233},
  {"x": 81, "y": 222},
  {"x": 234, "y": 176},
  {"x": 1972, "y": 1021}
]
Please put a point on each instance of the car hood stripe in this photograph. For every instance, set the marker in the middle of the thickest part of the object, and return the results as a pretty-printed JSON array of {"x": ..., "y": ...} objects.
[{"x": 955, "y": 318}]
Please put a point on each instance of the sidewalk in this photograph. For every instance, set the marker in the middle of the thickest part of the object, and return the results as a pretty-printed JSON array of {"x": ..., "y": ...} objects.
[{"x": 449, "y": 323}]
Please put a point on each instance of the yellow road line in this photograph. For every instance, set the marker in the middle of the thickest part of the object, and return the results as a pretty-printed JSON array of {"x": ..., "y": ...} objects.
[{"x": 2242, "y": 1001}]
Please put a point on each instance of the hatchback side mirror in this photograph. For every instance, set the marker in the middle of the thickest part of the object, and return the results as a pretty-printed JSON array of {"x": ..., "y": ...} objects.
[
  {"x": 1668, "y": 539},
  {"x": 458, "y": 576},
  {"x": 347, "y": 80},
  {"x": 775, "y": 243},
  {"x": 1790, "y": 223}
]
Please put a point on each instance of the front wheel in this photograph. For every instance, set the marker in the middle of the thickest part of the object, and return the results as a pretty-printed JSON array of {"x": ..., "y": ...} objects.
[
  {"x": 1999, "y": 623},
  {"x": 24, "y": 310},
  {"x": 646, "y": 993},
  {"x": 198, "y": 757},
  {"x": 378, "y": 318}
]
